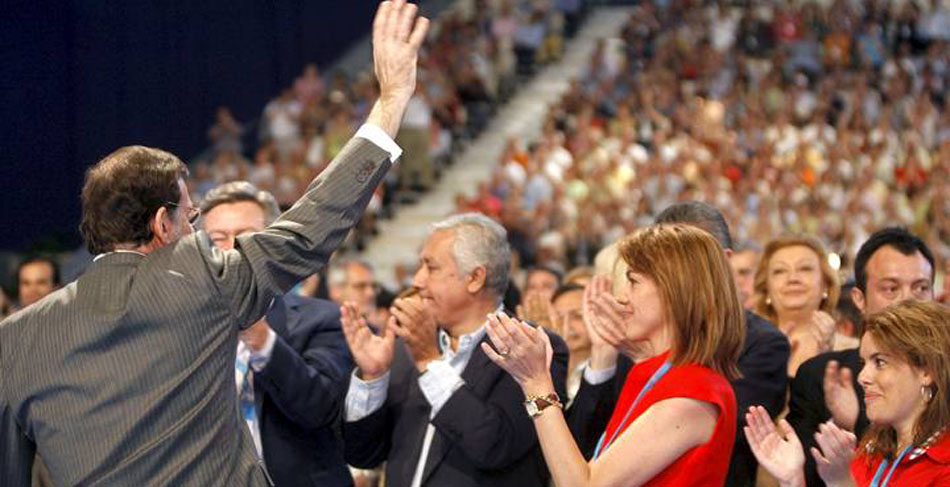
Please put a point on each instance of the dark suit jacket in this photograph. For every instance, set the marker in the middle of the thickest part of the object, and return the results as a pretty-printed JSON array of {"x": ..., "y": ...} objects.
[
  {"x": 764, "y": 365},
  {"x": 299, "y": 394},
  {"x": 483, "y": 435},
  {"x": 806, "y": 403},
  {"x": 126, "y": 376}
]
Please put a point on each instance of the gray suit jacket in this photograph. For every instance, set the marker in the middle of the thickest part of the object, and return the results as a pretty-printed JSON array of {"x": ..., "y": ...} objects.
[{"x": 125, "y": 377}]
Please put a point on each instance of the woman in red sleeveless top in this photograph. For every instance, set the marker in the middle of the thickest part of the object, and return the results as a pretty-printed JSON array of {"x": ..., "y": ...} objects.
[
  {"x": 675, "y": 422},
  {"x": 906, "y": 379}
]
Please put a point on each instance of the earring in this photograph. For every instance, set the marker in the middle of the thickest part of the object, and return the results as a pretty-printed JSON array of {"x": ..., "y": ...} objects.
[
  {"x": 927, "y": 392},
  {"x": 825, "y": 295},
  {"x": 768, "y": 300}
]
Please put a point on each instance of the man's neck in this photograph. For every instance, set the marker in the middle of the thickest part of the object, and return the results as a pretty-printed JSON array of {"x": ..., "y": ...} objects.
[{"x": 473, "y": 319}]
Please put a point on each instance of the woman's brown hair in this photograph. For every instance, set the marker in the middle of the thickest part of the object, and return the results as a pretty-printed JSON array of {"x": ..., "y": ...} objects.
[
  {"x": 761, "y": 283},
  {"x": 695, "y": 282},
  {"x": 917, "y": 333}
]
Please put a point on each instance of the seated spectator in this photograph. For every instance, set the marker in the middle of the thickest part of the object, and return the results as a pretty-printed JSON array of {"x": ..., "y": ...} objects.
[{"x": 36, "y": 277}]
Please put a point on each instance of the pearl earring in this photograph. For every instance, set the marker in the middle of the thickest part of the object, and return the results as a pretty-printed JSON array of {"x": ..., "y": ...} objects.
[{"x": 927, "y": 392}]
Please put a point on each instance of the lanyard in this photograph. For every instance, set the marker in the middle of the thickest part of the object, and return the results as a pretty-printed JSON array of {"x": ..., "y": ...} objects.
[
  {"x": 880, "y": 470},
  {"x": 601, "y": 446}
]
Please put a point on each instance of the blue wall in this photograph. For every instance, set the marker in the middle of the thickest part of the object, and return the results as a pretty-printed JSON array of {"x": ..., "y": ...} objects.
[{"x": 79, "y": 79}]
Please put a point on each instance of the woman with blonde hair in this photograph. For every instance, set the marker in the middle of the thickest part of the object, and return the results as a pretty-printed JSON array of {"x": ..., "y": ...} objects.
[
  {"x": 676, "y": 413},
  {"x": 906, "y": 381},
  {"x": 796, "y": 288}
]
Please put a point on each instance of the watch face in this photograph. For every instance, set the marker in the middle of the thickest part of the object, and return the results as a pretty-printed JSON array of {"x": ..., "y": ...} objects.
[{"x": 532, "y": 408}]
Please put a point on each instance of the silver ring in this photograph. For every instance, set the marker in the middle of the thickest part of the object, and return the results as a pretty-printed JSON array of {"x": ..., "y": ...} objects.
[{"x": 504, "y": 353}]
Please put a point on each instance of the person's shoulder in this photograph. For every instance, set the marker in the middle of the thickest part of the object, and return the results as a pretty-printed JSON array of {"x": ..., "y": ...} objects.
[
  {"x": 759, "y": 327},
  {"x": 697, "y": 379},
  {"x": 315, "y": 309}
]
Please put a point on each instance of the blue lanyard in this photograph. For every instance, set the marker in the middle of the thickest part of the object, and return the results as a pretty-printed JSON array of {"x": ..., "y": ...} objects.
[
  {"x": 652, "y": 382},
  {"x": 880, "y": 470}
]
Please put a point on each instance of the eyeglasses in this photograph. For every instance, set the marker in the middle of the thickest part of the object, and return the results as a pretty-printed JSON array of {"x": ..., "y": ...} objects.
[{"x": 194, "y": 213}]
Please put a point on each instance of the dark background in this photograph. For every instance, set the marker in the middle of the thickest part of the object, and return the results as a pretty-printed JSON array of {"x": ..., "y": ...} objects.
[{"x": 80, "y": 78}]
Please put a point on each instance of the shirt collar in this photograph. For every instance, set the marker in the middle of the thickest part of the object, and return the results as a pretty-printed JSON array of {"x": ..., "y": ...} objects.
[
  {"x": 465, "y": 341},
  {"x": 120, "y": 251},
  {"x": 937, "y": 447}
]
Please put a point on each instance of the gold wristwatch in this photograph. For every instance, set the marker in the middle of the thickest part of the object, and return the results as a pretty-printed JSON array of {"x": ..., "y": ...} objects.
[{"x": 537, "y": 404}]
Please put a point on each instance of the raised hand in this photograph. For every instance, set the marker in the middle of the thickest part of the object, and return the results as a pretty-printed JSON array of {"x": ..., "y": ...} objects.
[
  {"x": 414, "y": 323},
  {"x": 823, "y": 330},
  {"x": 536, "y": 309},
  {"x": 608, "y": 315},
  {"x": 397, "y": 37},
  {"x": 521, "y": 350},
  {"x": 372, "y": 353},
  {"x": 834, "y": 459},
  {"x": 780, "y": 453},
  {"x": 840, "y": 396},
  {"x": 602, "y": 354}
]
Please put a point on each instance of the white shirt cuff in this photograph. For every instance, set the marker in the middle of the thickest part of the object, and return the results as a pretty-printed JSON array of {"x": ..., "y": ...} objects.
[
  {"x": 438, "y": 383},
  {"x": 259, "y": 359},
  {"x": 597, "y": 377},
  {"x": 365, "y": 397},
  {"x": 379, "y": 137}
]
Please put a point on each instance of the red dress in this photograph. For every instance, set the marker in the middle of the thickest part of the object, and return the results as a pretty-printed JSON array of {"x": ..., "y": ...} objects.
[
  {"x": 927, "y": 468},
  {"x": 705, "y": 465}
]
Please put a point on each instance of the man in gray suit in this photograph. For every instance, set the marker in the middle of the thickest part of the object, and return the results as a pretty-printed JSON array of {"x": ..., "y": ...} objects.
[{"x": 124, "y": 377}]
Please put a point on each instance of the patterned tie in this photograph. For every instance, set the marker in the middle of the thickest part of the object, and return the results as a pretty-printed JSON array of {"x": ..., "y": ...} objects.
[{"x": 246, "y": 394}]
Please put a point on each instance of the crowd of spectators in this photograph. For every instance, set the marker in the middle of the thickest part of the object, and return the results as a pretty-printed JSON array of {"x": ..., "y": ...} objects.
[
  {"x": 472, "y": 62},
  {"x": 828, "y": 119}
]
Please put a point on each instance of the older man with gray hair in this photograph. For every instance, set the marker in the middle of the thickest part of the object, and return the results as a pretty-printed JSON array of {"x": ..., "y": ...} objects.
[{"x": 430, "y": 403}]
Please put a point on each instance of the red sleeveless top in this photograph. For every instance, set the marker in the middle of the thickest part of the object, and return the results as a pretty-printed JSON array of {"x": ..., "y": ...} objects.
[{"x": 705, "y": 465}]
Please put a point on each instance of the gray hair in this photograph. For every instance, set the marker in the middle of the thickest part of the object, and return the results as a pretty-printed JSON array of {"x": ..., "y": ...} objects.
[
  {"x": 480, "y": 242},
  {"x": 237, "y": 191}
]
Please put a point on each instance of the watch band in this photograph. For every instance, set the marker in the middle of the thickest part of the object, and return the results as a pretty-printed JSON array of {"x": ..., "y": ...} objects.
[{"x": 535, "y": 405}]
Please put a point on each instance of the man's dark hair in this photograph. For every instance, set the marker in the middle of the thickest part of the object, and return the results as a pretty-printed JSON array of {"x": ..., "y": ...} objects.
[
  {"x": 701, "y": 215},
  {"x": 39, "y": 259},
  {"x": 237, "y": 191},
  {"x": 897, "y": 237},
  {"x": 549, "y": 269},
  {"x": 122, "y": 193},
  {"x": 570, "y": 287}
]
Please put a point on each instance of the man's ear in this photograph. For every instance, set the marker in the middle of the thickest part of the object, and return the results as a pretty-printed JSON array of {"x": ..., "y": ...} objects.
[
  {"x": 476, "y": 280},
  {"x": 161, "y": 226},
  {"x": 858, "y": 297}
]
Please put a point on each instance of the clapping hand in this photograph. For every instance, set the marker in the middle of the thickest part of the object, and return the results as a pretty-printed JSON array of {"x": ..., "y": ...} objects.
[
  {"x": 840, "y": 396},
  {"x": 606, "y": 316},
  {"x": 536, "y": 309},
  {"x": 413, "y": 322},
  {"x": 837, "y": 450},
  {"x": 780, "y": 453},
  {"x": 521, "y": 350},
  {"x": 372, "y": 353}
]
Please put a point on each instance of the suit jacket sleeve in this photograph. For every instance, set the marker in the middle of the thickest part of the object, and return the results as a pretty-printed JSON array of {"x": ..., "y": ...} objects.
[
  {"x": 592, "y": 407},
  {"x": 309, "y": 387},
  {"x": 366, "y": 443},
  {"x": 16, "y": 450},
  {"x": 495, "y": 432},
  {"x": 268, "y": 263}
]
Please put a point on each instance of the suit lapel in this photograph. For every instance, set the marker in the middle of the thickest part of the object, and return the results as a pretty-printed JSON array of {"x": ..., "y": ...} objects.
[{"x": 478, "y": 369}]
